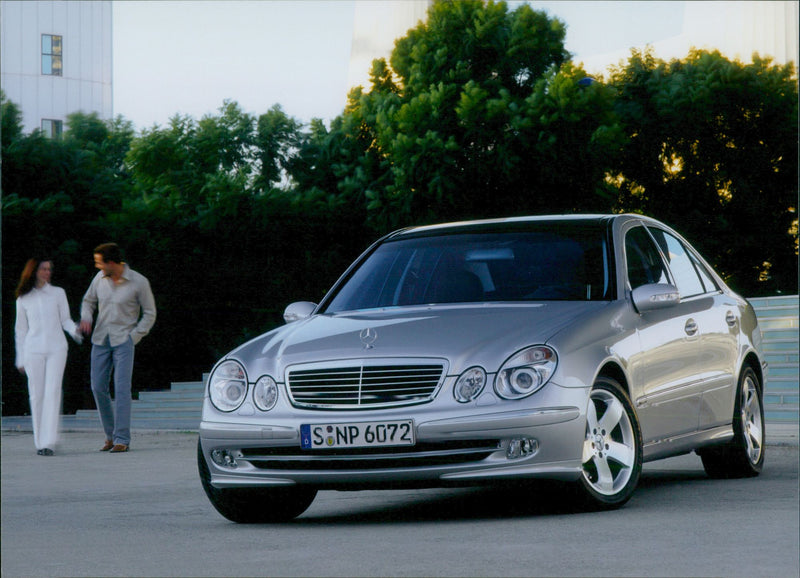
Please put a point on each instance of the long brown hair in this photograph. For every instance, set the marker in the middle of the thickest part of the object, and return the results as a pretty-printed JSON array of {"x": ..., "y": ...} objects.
[{"x": 28, "y": 278}]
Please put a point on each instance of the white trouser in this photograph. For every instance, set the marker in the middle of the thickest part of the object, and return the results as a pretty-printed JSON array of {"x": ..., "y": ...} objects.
[{"x": 45, "y": 373}]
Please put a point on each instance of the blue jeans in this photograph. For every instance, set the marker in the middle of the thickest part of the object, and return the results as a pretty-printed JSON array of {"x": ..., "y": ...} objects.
[{"x": 116, "y": 420}]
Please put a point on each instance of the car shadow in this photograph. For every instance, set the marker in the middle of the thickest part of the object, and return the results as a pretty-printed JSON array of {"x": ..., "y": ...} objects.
[
  {"x": 474, "y": 503},
  {"x": 518, "y": 500}
]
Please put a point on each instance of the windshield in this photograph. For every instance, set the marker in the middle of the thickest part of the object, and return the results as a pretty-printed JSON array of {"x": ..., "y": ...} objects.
[{"x": 566, "y": 263}]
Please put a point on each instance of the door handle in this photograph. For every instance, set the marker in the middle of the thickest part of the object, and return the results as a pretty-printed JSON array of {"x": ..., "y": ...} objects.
[
  {"x": 730, "y": 319},
  {"x": 691, "y": 327}
]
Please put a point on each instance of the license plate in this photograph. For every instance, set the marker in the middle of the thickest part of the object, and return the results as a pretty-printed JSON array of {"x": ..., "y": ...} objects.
[{"x": 357, "y": 435}]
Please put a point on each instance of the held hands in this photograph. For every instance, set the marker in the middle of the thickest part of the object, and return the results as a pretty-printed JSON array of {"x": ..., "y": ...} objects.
[{"x": 86, "y": 327}]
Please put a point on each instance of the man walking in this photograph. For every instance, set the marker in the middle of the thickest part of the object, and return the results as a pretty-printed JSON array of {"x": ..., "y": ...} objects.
[{"x": 119, "y": 295}]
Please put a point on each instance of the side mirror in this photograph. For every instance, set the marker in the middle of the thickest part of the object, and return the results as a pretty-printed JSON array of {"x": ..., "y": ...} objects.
[
  {"x": 299, "y": 310},
  {"x": 655, "y": 296}
]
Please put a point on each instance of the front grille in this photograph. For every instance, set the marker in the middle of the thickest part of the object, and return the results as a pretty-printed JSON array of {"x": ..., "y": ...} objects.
[
  {"x": 421, "y": 455},
  {"x": 364, "y": 386}
]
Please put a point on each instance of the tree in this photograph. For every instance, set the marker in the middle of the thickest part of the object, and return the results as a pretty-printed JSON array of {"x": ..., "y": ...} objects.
[
  {"x": 713, "y": 149},
  {"x": 480, "y": 115},
  {"x": 278, "y": 137},
  {"x": 11, "y": 119}
]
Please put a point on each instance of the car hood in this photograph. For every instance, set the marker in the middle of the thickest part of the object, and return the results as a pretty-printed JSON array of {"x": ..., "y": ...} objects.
[{"x": 464, "y": 335}]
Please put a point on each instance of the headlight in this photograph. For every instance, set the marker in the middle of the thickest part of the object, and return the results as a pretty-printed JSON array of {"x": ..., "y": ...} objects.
[
  {"x": 227, "y": 386},
  {"x": 525, "y": 372},
  {"x": 470, "y": 384},
  {"x": 265, "y": 393}
]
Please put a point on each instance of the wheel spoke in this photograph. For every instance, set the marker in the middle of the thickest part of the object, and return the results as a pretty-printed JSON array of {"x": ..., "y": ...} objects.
[
  {"x": 751, "y": 420},
  {"x": 588, "y": 451},
  {"x": 591, "y": 416},
  {"x": 621, "y": 454},
  {"x": 605, "y": 479},
  {"x": 754, "y": 436},
  {"x": 610, "y": 419},
  {"x": 749, "y": 399}
]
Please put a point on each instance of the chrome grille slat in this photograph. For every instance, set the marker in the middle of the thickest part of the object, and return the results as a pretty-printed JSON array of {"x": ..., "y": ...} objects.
[{"x": 363, "y": 385}]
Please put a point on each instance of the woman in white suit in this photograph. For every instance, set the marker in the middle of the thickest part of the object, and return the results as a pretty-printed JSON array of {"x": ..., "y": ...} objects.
[{"x": 42, "y": 318}]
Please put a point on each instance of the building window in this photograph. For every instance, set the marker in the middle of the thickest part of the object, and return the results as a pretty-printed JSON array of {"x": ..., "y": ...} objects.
[
  {"x": 51, "y": 55},
  {"x": 52, "y": 128}
]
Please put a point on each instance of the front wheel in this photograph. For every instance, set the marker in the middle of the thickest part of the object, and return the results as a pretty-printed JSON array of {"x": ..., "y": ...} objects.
[
  {"x": 612, "y": 449},
  {"x": 742, "y": 457},
  {"x": 254, "y": 505}
]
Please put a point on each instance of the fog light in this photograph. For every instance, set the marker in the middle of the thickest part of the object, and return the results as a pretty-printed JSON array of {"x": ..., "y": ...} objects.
[
  {"x": 521, "y": 448},
  {"x": 223, "y": 458}
]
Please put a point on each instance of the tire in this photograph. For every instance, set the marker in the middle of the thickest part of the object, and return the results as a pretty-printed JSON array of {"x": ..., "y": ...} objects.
[
  {"x": 612, "y": 449},
  {"x": 743, "y": 456},
  {"x": 254, "y": 505}
]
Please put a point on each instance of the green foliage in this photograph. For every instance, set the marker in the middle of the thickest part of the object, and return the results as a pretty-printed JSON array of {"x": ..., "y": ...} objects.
[
  {"x": 10, "y": 121},
  {"x": 713, "y": 149},
  {"x": 485, "y": 117},
  {"x": 277, "y": 139}
]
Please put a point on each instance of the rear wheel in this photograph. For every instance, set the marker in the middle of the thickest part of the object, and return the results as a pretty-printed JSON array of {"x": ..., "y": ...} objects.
[
  {"x": 612, "y": 449},
  {"x": 743, "y": 456},
  {"x": 254, "y": 505}
]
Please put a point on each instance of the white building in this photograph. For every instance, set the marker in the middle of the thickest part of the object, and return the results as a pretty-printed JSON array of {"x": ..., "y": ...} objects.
[
  {"x": 56, "y": 59},
  {"x": 376, "y": 26},
  {"x": 736, "y": 28}
]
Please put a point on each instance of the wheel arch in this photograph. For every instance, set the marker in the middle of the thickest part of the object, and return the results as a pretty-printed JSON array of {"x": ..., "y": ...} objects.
[
  {"x": 615, "y": 372},
  {"x": 751, "y": 360}
]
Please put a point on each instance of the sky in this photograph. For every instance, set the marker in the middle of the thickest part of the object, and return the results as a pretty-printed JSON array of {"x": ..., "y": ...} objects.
[{"x": 187, "y": 57}]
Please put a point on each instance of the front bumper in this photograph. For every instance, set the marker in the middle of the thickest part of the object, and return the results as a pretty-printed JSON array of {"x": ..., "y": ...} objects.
[{"x": 455, "y": 450}]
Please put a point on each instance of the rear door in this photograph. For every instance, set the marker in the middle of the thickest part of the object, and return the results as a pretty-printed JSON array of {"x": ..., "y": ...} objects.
[{"x": 716, "y": 316}]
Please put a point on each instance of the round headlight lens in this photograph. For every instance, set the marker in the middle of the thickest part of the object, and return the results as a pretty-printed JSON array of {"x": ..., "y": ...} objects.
[
  {"x": 227, "y": 386},
  {"x": 265, "y": 393},
  {"x": 525, "y": 372},
  {"x": 470, "y": 384}
]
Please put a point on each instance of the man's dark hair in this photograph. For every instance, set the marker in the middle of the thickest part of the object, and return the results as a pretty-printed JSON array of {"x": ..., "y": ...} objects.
[{"x": 110, "y": 252}]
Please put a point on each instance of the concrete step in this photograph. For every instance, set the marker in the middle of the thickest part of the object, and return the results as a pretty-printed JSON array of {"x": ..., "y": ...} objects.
[
  {"x": 784, "y": 357},
  {"x": 778, "y": 319},
  {"x": 780, "y": 336},
  {"x": 768, "y": 324},
  {"x": 166, "y": 403},
  {"x": 783, "y": 302},
  {"x": 784, "y": 413},
  {"x": 147, "y": 413},
  {"x": 186, "y": 386},
  {"x": 180, "y": 394}
]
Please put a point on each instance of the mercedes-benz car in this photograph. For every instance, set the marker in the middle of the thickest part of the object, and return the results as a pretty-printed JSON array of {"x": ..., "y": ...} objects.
[{"x": 569, "y": 348}]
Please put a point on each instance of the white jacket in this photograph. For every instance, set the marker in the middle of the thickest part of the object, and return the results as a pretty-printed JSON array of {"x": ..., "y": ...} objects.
[{"x": 42, "y": 318}]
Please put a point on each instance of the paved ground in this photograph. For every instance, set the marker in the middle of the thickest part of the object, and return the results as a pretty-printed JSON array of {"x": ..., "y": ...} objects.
[{"x": 86, "y": 513}]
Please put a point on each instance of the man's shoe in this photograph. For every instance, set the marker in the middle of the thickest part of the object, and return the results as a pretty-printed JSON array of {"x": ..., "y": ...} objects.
[
  {"x": 118, "y": 449},
  {"x": 48, "y": 452},
  {"x": 107, "y": 446}
]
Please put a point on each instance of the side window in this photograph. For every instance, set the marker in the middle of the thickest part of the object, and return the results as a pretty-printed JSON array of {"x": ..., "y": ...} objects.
[
  {"x": 705, "y": 276},
  {"x": 643, "y": 259},
  {"x": 681, "y": 264}
]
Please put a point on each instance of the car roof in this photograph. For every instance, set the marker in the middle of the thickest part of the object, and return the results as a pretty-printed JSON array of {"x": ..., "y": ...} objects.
[{"x": 506, "y": 224}]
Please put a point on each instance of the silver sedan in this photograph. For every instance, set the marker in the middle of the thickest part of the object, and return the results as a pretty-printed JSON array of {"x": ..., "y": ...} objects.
[{"x": 570, "y": 348}]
